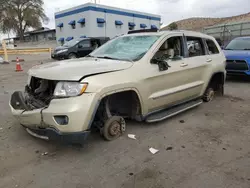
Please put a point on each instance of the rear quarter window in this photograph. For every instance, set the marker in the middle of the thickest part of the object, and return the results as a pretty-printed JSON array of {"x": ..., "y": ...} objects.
[{"x": 212, "y": 48}]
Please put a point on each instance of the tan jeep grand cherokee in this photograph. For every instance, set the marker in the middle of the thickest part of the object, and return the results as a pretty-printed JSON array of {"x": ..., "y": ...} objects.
[{"x": 146, "y": 76}]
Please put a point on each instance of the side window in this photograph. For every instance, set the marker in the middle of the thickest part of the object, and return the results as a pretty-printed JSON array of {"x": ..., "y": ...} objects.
[
  {"x": 84, "y": 44},
  {"x": 212, "y": 48},
  {"x": 95, "y": 44},
  {"x": 195, "y": 47},
  {"x": 171, "y": 48}
]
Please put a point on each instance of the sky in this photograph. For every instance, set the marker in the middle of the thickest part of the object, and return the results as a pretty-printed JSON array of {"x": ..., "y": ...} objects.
[{"x": 170, "y": 10}]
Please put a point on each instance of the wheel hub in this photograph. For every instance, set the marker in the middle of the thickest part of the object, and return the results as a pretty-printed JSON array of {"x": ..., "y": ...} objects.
[
  {"x": 114, "y": 128},
  {"x": 211, "y": 95}
]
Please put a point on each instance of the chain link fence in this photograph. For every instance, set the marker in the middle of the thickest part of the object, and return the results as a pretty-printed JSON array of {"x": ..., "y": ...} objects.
[{"x": 226, "y": 32}]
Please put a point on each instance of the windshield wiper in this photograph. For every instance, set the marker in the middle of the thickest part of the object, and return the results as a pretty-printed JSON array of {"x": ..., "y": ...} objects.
[
  {"x": 247, "y": 49},
  {"x": 89, "y": 56},
  {"x": 106, "y": 57}
]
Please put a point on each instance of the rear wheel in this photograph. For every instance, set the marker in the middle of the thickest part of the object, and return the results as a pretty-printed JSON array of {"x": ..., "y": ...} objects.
[{"x": 72, "y": 56}]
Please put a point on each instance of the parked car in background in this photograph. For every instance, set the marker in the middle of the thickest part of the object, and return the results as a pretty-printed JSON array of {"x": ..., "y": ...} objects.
[
  {"x": 78, "y": 48},
  {"x": 148, "y": 76},
  {"x": 237, "y": 53}
]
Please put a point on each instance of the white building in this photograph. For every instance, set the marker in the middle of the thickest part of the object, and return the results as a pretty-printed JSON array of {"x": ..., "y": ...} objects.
[{"x": 94, "y": 20}]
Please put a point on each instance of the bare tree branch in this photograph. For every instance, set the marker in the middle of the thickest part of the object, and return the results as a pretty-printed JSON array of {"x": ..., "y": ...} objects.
[{"x": 19, "y": 15}]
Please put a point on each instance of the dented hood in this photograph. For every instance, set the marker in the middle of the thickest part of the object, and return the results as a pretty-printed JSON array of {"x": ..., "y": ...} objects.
[{"x": 75, "y": 69}]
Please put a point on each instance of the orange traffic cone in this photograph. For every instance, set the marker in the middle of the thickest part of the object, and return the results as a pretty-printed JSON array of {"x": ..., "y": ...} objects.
[{"x": 18, "y": 65}]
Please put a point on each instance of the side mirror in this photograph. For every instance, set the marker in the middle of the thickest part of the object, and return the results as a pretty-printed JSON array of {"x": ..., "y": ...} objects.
[
  {"x": 162, "y": 64},
  {"x": 222, "y": 47},
  {"x": 79, "y": 46}
]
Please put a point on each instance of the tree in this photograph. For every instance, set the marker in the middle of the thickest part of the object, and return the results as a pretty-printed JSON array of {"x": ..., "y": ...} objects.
[
  {"x": 19, "y": 15},
  {"x": 173, "y": 26}
]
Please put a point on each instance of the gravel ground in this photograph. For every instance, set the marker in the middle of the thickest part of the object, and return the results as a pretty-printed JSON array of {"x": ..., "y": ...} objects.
[{"x": 209, "y": 148}]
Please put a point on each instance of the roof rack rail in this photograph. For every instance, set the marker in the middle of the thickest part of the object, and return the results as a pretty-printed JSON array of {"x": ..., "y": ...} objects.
[{"x": 142, "y": 31}]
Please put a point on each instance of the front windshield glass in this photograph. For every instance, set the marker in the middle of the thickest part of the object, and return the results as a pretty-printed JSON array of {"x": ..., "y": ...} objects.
[
  {"x": 239, "y": 44},
  {"x": 126, "y": 48},
  {"x": 71, "y": 43}
]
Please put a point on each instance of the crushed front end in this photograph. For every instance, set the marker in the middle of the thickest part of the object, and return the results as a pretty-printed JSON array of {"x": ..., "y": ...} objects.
[{"x": 47, "y": 117}]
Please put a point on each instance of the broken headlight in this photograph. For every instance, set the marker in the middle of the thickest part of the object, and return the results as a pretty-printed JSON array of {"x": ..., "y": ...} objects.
[
  {"x": 62, "y": 51},
  {"x": 69, "y": 89}
]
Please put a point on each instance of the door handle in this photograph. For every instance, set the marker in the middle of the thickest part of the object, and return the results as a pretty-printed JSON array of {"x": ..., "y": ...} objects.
[
  {"x": 209, "y": 60},
  {"x": 184, "y": 65}
]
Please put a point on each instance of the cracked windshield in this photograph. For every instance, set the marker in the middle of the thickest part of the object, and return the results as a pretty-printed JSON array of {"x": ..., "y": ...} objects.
[{"x": 126, "y": 48}]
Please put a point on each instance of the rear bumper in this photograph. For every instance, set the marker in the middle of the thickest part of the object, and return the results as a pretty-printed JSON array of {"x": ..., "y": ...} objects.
[{"x": 54, "y": 135}]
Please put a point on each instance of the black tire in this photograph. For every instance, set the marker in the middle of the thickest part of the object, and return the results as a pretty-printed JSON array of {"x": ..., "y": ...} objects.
[
  {"x": 72, "y": 56},
  {"x": 113, "y": 128},
  {"x": 208, "y": 95}
]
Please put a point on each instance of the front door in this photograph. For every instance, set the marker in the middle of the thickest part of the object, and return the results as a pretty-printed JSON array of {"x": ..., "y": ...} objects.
[
  {"x": 180, "y": 82},
  {"x": 84, "y": 48}
]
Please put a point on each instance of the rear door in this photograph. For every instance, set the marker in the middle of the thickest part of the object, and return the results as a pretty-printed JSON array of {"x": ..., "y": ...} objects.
[
  {"x": 214, "y": 54},
  {"x": 84, "y": 48},
  {"x": 181, "y": 82},
  {"x": 197, "y": 61}
]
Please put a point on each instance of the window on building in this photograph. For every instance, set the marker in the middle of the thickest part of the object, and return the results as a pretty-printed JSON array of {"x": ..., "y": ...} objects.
[
  {"x": 72, "y": 23},
  {"x": 100, "y": 22},
  {"x": 118, "y": 24},
  {"x": 212, "y": 48},
  {"x": 82, "y": 22},
  {"x": 131, "y": 26},
  {"x": 195, "y": 46}
]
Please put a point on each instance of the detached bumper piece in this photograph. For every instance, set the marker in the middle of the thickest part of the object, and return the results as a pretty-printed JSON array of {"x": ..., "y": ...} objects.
[
  {"x": 17, "y": 101},
  {"x": 54, "y": 135}
]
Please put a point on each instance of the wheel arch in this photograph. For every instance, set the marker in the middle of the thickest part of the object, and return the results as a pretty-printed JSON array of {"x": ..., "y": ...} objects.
[
  {"x": 217, "y": 82},
  {"x": 73, "y": 53},
  {"x": 110, "y": 93}
]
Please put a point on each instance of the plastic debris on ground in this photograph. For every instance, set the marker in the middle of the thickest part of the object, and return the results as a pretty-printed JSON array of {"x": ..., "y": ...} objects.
[
  {"x": 45, "y": 153},
  {"x": 132, "y": 136},
  {"x": 153, "y": 150}
]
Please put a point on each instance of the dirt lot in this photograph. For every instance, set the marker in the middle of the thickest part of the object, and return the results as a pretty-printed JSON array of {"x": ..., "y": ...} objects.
[{"x": 209, "y": 149}]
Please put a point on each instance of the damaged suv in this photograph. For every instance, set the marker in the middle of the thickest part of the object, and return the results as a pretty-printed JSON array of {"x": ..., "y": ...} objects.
[{"x": 141, "y": 76}]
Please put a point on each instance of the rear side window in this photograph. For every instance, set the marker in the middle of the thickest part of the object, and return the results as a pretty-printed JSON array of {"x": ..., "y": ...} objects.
[
  {"x": 212, "y": 48},
  {"x": 195, "y": 47}
]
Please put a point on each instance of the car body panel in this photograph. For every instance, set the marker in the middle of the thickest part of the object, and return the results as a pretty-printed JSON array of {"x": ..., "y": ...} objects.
[
  {"x": 78, "y": 109},
  {"x": 186, "y": 78},
  {"x": 75, "y": 69}
]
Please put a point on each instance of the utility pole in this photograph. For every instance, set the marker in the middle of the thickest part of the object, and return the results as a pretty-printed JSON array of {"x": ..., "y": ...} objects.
[{"x": 224, "y": 29}]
